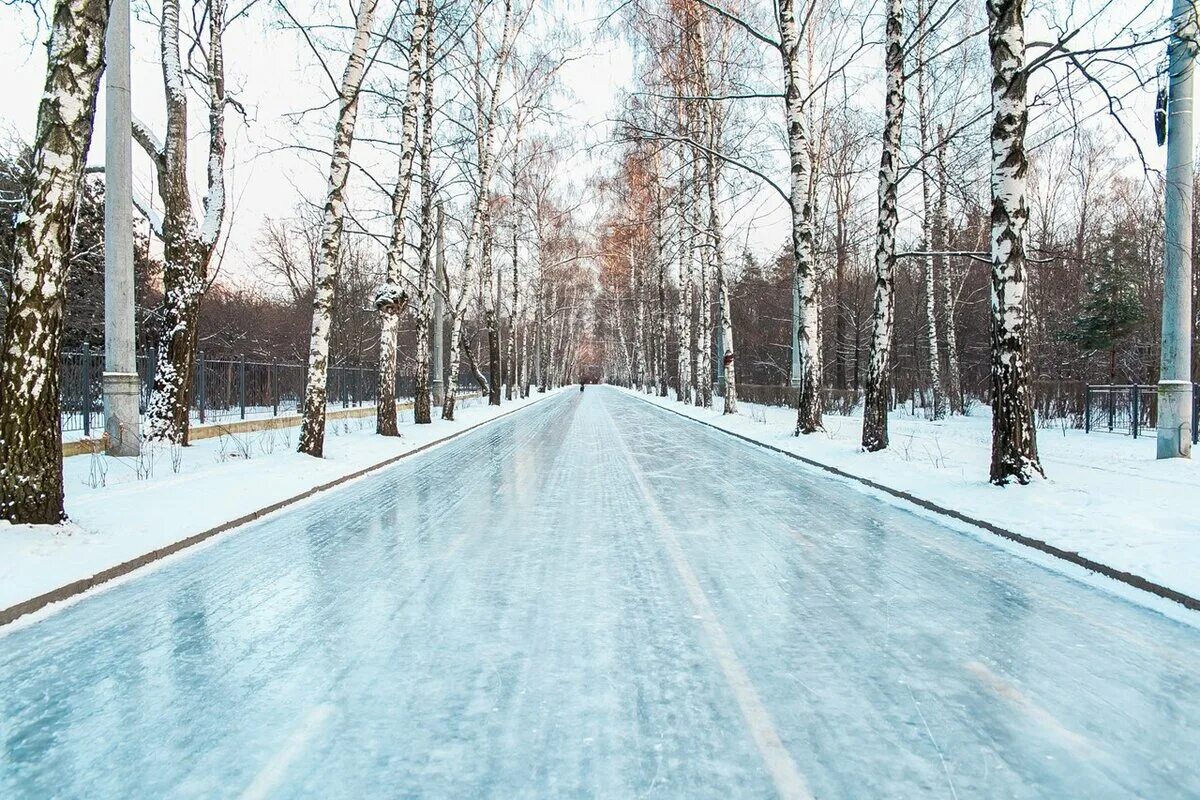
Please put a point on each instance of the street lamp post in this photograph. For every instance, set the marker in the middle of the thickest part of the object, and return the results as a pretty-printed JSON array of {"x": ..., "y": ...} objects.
[
  {"x": 1174, "y": 377},
  {"x": 121, "y": 388}
]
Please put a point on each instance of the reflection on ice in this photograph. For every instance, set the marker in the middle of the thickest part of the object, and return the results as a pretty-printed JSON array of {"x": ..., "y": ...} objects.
[{"x": 596, "y": 598}]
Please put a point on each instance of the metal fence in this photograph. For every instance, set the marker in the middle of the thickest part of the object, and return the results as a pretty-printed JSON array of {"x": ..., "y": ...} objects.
[
  {"x": 1129, "y": 409},
  {"x": 836, "y": 401},
  {"x": 222, "y": 389}
]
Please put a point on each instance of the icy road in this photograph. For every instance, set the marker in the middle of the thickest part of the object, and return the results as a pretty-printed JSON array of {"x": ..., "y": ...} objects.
[{"x": 596, "y": 598}]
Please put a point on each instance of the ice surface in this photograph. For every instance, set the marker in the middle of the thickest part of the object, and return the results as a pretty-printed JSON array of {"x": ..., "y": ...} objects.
[{"x": 594, "y": 598}]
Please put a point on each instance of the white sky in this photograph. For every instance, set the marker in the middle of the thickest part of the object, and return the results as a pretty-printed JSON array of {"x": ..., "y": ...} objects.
[{"x": 273, "y": 73}]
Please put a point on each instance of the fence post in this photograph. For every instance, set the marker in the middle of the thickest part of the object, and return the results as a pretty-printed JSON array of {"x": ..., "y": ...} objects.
[
  {"x": 273, "y": 389},
  {"x": 1112, "y": 409},
  {"x": 200, "y": 383},
  {"x": 151, "y": 369},
  {"x": 1195, "y": 412},
  {"x": 1135, "y": 396},
  {"x": 86, "y": 393},
  {"x": 1087, "y": 408},
  {"x": 242, "y": 383}
]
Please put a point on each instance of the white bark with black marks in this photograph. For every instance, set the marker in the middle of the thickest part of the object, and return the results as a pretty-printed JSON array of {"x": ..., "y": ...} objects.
[
  {"x": 808, "y": 412},
  {"x": 1014, "y": 436},
  {"x": 312, "y": 428},
  {"x": 188, "y": 241},
  {"x": 878, "y": 388},
  {"x": 31, "y": 478},
  {"x": 485, "y": 131},
  {"x": 391, "y": 299}
]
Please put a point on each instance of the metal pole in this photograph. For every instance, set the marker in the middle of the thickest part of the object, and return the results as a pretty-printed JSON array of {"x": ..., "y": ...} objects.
[
  {"x": 120, "y": 380},
  {"x": 200, "y": 383},
  {"x": 85, "y": 387},
  {"x": 242, "y": 385},
  {"x": 439, "y": 313},
  {"x": 1174, "y": 377},
  {"x": 795, "y": 331},
  {"x": 1135, "y": 411}
]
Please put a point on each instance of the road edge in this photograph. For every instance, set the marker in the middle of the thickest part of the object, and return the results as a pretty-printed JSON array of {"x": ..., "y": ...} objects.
[
  {"x": 1128, "y": 578},
  {"x": 78, "y": 587}
]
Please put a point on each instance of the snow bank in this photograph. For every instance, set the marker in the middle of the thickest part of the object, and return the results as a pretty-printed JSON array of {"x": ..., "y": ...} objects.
[
  {"x": 1105, "y": 496},
  {"x": 122, "y": 508}
]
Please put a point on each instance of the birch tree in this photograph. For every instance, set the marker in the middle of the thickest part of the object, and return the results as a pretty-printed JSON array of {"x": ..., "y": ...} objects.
[
  {"x": 425, "y": 284},
  {"x": 1014, "y": 437},
  {"x": 188, "y": 239},
  {"x": 712, "y": 166},
  {"x": 808, "y": 411},
  {"x": 31, "y": 478},
  {"x": 877, "y": 397},
  {"x": 931, "y": 233},
  {"x": 485, "y": 132},
  {"x": 312, "y": 429},
  {"x": 391, "y": 299}
]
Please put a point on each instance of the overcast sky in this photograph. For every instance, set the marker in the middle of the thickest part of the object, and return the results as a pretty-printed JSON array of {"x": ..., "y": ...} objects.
[{"x": 273, "y": 73}]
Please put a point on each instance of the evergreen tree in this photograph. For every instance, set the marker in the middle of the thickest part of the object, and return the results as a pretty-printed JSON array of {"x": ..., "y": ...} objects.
[{"x": 1111, "y": 308}]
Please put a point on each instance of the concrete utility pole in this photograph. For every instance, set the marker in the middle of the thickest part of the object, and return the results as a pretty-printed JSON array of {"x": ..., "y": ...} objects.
[
  {"x": 795, "y": 331},
  {"x": 121, "y": 388},
  {"x": 1174, "y": 377},
  {"x": 439, "y": 313}
]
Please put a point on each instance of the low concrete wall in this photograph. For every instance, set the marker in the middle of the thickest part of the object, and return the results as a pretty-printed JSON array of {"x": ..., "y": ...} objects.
[{"x": 81, "y": 447}]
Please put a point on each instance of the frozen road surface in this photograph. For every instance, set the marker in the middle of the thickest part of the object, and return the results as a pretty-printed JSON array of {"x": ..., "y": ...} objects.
[{"x": 596, "y": 598}]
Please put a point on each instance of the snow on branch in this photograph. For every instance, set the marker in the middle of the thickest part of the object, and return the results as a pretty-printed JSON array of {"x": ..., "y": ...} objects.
[
  {"x": 153, "y": 217},
  {"x": 149, "y": 141}
]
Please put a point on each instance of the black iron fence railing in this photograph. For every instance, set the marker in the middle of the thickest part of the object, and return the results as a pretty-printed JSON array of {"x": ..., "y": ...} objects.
[
  {"x": 222, "y": 389},
  {"x": 836, "y": 401},
  {"x": 1129, "y": 409}
]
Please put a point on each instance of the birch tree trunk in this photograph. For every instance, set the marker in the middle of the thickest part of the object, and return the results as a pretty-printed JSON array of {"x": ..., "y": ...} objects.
[
  {"x": 1014, "y": 437},
  {"x": 875, "y": 409},
  {"x": 717, "y": 240},
  {"x": 683, "y": 307},
  {"x": 486, "y": 133},
  {"x": 31, "y": 477},
  {"x": 713, "y": 129},
  {"x": 188, "y": 243},
  {"x": 930, "y": 232},
  {"x": 390, "y": 299},
  {"x": 312, "y": 428},
  {"x": 492, "y": 313},
  {"x": 953, "y": 372},
  {"x": 704, "y": 372},
  {"x": 808, "y": 412},
  {"x": 639, "y": 334},
  {"x": 425, "y": 287},
  {"x": 514, "y": 291},
  {"x": 661, "y": 308},
  {"x": 723, "y": 306},
  {"x": 450, "y": 396}
]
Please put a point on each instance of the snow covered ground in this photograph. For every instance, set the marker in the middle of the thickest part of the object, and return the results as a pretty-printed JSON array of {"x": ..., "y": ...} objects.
[
  {"x": 1105, "y": 496},
  {"x": 122, "y": 508}
]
